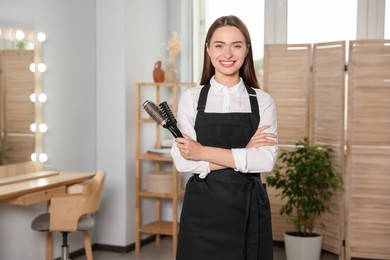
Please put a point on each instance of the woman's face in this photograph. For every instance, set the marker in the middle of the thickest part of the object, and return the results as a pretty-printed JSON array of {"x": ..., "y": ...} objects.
[{"x": 227, "y": 51}]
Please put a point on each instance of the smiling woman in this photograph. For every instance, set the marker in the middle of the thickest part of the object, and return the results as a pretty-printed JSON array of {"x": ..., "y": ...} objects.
[
  {"x": 250, "y": 11},
  {"x": 20, "y": 85}
]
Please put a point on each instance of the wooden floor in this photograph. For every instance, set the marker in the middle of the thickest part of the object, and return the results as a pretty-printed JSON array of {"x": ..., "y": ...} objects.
[{"x": 164, "y": 252}]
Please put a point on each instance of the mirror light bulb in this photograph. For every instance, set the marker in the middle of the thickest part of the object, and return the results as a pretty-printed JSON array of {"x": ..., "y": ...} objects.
[
  {"x": 42, "y": 98},
  {"x": 32, "y": 67},
  {"x": 41, "y": 67},
  {"x": 33, "y": 97},
  {"x": 19, "y": 35},
  {"x": 42, "y": 157},
  {"x": 41, "y": 37},
  {"x": 34, "y": 157},
  {"x": 42, "y": 128},
  {"x": 33, "y": 127}
]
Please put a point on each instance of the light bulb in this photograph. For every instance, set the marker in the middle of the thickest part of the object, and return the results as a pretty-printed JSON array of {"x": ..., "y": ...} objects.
[
  {"x": 41, "y": 37},
  {"x": 42, "y": 157},
  {"x": 42, "y": 128},
  {"x": 41, "y": 67},
  {"x": 19, "y": 35},
  {"x": 42, "y": 98},
  {"x": 34, "y": 157},
  {"x": 33, "y": 127},
  {"x": 33, "y": 97},
  {"x": 32, "y": 67}
]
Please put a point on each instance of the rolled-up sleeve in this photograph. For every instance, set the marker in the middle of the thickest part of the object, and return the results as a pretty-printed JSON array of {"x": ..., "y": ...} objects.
[
  {"x": 261, "y": 159},
  {"x": 185, "y": 121}
]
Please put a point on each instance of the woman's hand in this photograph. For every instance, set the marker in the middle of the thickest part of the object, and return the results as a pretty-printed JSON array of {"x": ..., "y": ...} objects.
[
  {"x": 260, "y": 138},
  {"x": 189, "y": 148}
]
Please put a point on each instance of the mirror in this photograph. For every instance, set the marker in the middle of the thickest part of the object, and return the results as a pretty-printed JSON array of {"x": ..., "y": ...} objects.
[{"x": 21, "y": 95}]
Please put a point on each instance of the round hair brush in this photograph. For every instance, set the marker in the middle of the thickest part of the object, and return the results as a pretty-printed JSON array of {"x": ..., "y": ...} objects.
[{"x": 163, "y": 116}]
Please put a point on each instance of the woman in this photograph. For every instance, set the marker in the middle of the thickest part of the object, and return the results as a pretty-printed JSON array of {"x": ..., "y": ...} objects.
[{"x": 229, "y": 127}]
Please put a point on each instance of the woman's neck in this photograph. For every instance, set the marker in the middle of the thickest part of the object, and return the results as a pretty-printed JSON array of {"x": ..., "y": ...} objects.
[{"x": 227, "y": 80}]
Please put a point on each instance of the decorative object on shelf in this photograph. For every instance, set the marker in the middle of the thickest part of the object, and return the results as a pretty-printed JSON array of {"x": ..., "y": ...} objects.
[
  {"x": 307, "y": 180},
  {"x": 158, "y": 72},
  {"x": 171, "y": 74},
  {"x": 173, "y": 46},
  {"x": 159, "y": 182}
]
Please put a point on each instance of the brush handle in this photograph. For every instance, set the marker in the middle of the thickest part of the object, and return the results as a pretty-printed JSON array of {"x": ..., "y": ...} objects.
[{"x": 170, "y": 119}]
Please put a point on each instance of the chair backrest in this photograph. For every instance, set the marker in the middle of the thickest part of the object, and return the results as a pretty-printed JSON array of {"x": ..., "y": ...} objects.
[{"x": 65, "y": 210}]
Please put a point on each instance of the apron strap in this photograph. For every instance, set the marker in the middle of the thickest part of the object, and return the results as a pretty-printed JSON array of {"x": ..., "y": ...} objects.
[
  {"x": 256, "y": 200},
  {"x": 253, "y": 99},
  {"x": 255, "y": 116},
  {"x": 203, "y": 97}
]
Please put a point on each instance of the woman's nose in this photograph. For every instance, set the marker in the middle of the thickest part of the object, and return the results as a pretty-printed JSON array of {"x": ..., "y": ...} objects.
[{"x": 228, "y": 52}]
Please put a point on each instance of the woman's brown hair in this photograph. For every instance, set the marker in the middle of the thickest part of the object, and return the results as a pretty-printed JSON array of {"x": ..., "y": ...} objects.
[{"x": 247, "y": 70}]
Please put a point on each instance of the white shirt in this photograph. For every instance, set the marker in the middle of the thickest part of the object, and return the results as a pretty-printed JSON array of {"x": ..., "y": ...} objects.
[{"x": 222, "y": 99}]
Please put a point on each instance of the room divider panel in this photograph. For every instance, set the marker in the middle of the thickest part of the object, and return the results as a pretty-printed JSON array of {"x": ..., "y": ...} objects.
[
  {"x": 368, "y": 158},
  {"x": 307, "y": 83},
  {"x": 287, "y": 78},
  {"x": 327, "y": 122}
]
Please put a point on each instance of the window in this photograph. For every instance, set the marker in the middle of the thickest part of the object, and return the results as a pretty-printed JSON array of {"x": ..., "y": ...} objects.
[{"x": 311, "y": 21}]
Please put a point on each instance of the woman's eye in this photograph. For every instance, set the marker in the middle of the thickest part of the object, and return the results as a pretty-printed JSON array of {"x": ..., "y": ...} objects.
[
  {"x": 237, "y": 46},
  {"x": 218, "y": 46}
]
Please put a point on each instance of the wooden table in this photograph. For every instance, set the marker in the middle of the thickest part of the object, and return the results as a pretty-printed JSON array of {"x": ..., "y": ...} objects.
[{"x": 30, "y": 188}]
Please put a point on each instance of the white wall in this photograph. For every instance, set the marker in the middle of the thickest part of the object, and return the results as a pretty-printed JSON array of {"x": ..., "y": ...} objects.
[
  {"x": 69, "y": 82},
  {"x": 129, "y": 37},
  {"x": 95, "y": 52}
]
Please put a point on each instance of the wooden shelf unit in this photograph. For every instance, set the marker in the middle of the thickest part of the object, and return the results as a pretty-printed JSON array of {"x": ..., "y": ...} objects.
[{"x": 159, "y": 226}]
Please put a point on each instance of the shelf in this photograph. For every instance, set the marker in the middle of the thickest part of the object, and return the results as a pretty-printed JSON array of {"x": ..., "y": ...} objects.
[
  {"x": 158, "y": 227},
  {"x": 165, "y": 84},
  {"x": 159, "y": 159},
  {"x": 145, "y": 193},
  {"x": 154, "y": 157}
]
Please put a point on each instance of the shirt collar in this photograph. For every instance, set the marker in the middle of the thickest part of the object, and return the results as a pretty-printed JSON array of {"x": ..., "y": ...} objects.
[{"x": 219, "y": 88}]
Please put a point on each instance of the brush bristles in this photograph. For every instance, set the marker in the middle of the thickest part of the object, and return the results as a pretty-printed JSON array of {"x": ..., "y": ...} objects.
[
  {"x": 167, "y": 113},
  {"x": 154, "y": 112}
]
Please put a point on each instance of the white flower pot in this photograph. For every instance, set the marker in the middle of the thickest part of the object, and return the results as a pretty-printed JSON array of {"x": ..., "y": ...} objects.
[{"x": 303, "y": 248}]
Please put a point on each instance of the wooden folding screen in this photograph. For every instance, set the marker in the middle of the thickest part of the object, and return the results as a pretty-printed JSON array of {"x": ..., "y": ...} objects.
[
  {"x": 327, "y": 127},
  {"x": 367, "y": 206},
  {"x": 361, "y": 214},
  {"x": 287, "y": 78}
]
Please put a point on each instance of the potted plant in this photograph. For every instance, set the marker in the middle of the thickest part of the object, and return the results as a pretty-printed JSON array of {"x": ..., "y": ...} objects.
[{"x": 307, "y": 180}]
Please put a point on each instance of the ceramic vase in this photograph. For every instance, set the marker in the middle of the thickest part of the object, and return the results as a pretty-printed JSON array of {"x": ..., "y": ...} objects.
[
  {"x": 158, "y": 72},
  {"x": 171, "y": 74}
]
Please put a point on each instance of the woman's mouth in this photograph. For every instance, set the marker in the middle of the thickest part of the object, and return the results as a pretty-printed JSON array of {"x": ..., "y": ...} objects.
[{"x": 227, "y": 64}]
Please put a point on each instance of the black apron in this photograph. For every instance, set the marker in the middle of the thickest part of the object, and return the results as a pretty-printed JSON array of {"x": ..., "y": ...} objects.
[{"x": 225, "y": 216}]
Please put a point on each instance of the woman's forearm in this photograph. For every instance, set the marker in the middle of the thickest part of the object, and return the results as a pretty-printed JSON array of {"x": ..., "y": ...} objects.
[{"x": 218, "y": 158}]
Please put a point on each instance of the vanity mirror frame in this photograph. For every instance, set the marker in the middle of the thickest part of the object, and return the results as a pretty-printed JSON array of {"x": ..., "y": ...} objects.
[{"x": 37, "y": 67}]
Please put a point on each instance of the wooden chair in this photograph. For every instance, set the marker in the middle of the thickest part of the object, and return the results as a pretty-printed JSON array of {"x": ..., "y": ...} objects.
[{"x": 72, "y": 212}]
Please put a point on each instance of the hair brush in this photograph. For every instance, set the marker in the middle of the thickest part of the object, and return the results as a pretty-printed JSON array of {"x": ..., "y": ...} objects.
[{"x": 163, "y": 116}]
